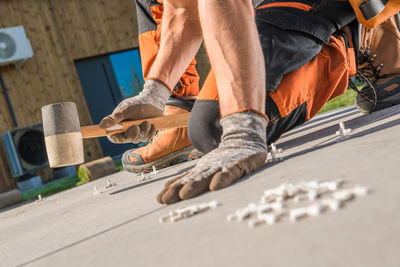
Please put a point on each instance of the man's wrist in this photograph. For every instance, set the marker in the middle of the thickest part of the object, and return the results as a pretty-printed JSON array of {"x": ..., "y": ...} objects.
[
  {"x": 155, "y": 93},
  {"x": 162, "y": 82}
]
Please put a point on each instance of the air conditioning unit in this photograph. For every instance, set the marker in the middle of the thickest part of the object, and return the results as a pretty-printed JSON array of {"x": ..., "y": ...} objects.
[
  {"x": 15, "y": 47},
  {"x": 25, "y": 149}
]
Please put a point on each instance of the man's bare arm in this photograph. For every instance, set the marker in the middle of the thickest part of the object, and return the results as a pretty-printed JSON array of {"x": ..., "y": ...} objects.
[{"x": 181, "y": 38}]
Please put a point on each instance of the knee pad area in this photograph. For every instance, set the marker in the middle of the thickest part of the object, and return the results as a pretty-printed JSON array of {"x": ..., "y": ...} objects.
[{"x": 204, "y": 129}]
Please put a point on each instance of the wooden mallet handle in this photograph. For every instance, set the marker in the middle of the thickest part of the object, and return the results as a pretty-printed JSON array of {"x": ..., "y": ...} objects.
[
  {"x": 164, "y": 122},
  {"x": 63, "y": 133}
]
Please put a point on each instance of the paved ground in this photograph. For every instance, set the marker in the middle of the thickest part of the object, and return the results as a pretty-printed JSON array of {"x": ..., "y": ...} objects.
[{"x": 121, "y": 226}]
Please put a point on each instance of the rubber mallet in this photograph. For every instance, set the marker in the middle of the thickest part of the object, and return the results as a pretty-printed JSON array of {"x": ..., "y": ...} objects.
[{"x": 63, "y": 134}]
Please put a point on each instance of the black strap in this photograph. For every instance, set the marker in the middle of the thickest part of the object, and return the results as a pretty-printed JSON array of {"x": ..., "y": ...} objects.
[
  {"x": 371, "y": 8},
  {"x": 180, "y": 103}
]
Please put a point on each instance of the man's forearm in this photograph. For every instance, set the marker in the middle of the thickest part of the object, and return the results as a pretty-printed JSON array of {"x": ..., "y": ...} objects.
[
  {"x": 181, "y": 38},
  {"x": 235, "y": 52}
]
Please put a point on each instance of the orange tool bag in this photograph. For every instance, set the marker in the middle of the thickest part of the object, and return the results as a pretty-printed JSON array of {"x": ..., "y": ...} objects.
[{"x": 371, "y": 13}]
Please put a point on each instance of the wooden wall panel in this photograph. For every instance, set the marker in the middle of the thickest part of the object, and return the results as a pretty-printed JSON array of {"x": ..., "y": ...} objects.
[
  {"x": 60, "y": 32},
  {"x": 96, "y": 27}
]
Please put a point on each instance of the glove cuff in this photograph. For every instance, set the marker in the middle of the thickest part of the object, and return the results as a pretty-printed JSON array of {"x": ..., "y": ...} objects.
[
  {"x": 244, "y": 130},
  {"x": 154, "y": 93}
]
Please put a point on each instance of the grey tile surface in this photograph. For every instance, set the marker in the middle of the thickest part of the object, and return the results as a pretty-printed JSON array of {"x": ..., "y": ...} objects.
[{"x": 120, "y": 227}]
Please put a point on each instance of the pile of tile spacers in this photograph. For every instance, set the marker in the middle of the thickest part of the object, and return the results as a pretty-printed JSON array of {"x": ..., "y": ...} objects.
[
  {"x": 188, "y": 211},
  {"x": 274, "y": 204}
]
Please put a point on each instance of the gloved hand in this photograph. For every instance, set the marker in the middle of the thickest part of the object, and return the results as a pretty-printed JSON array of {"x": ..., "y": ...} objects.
[
  {"x": 242, "y": 150},
  {"x": 148, "y": 104}
]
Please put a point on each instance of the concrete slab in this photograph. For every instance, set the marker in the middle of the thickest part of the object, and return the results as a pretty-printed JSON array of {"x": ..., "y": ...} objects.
[{"x": 120, "y": 226}]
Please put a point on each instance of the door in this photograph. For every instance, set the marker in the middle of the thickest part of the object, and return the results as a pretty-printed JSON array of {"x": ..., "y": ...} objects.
[{"x": 106, "y": 81}]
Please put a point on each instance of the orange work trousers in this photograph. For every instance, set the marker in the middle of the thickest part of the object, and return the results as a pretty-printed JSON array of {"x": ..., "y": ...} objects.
[
  {"x": 298, "y": 98},
  {"x": 149, "y": 15}
]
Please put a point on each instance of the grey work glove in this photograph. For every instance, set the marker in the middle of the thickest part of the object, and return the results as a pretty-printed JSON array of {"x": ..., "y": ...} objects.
[
  {"x": 149, "y": 103},
  {"x": 242, "y": 150}
]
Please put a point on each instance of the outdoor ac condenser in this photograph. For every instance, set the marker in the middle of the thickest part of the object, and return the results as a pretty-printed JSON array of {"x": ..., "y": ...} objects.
[
  {"x": 15, "y": 47},
  {"x": 25, "y": 149}
]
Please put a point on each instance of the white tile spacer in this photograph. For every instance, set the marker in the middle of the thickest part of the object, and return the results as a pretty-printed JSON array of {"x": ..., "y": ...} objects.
[
  {"x": 255, "y": 222},
  {"x": 280, "y": 199},
  {"x": 213, "y": 204},
  {"x": 344, "y": 195},
  {"x": 109, "y": 184},
  {"x": 264, "y": 208},
  {"x": 232, "y": 217},
  {"x": 343, "y": 133},
  {"x": 330, "y": 186},
  {"x": 164, "y": 219},
  {"x": 315, "y": 209},
  {"x": 297, "y": 214},
  {"x": 269, "y": 196},
  {"x": 277, "y": 206},
  {"x": 269, "y": 207},
  {"x": 271, "y": 157},
  {"x": 300, "y": 198},
  {"x": 176, "y": 218},
  {"x": 276, "y": 150},
  {"x": 359, "y": 190},
  {"x": 40, "y": 197},
  {"x": 269, "y": 219},
  {"x": 252, "y": 207},
  {"x": 241, "y": 215},
  {"x": 182, "y": 212},
  {"x": 95, "y": 191},
  {"x": 293, "y": 190},
  {"x": 154, "y": 171},
  {"x": 332, "y": 204},
  {"x": 340, "y": 182},
  {"x": 314, "y": 184},
  {"x": 142, "y": 178},
  {"x": 312, "y": 194}
]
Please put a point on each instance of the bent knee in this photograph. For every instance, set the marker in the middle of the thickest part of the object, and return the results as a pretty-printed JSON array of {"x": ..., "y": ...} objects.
[{"x": 204, "y": 129}]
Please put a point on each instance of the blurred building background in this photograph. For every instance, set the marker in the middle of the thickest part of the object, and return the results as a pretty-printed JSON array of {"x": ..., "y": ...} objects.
[{"x": 85, "y": 52}]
